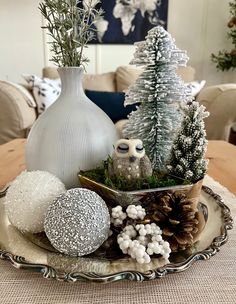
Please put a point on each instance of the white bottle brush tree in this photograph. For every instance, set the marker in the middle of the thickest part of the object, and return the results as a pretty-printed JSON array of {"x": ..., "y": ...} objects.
[
  {"x": 187, "y": 154},
  {"x": 160, "y": 91}
]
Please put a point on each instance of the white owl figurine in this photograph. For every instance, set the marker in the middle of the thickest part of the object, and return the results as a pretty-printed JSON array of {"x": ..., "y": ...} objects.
[{"x": 129, "y": 160}]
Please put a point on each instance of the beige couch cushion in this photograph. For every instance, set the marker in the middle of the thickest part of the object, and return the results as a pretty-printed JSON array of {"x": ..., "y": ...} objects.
[
  {"x": 126, "y": 75},
  {"x": 98, "y": 82},
  {"x": 50, "y": 72},
  {"x": 186, "y": 73},
  {"x": 16, "y": 116},
  {"x": 220, "y": 101}
]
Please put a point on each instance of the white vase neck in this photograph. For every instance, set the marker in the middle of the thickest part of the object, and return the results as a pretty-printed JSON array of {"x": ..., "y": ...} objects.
[{"x": 71, "y": 80}]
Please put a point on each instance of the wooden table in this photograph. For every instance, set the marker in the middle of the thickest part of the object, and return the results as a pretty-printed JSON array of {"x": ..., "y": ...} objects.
[
  {"x": 222, "y": 163},
  {"x": 221, "y": 155},
  {"x": 12, "y": 160},
  {"x": 212, "y": 281}
]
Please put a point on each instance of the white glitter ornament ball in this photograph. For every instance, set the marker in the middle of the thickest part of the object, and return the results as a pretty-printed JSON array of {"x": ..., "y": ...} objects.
[
  {"x": 28, "y": 198},
  {"x": 77, "y": 222}
]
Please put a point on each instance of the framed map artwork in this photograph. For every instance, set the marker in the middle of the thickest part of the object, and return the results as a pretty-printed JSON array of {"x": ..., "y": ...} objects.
[{"x": 128, "y": 21}]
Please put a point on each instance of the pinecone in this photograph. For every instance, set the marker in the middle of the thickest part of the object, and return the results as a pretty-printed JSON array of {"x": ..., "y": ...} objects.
[
  {"x": 232, "y": 22},
  {"x": 233, "y": 52},
  {"x": 176, "y": 215}
]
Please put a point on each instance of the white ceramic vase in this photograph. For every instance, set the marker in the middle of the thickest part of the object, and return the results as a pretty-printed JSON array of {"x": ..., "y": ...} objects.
[{"x": 71, "y": 135}]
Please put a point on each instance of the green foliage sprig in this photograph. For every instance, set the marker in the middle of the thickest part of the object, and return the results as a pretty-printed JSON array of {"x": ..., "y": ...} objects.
[
  {"x": 157, "y": 180},
  {"x": 226, "y": 60},
  {"x": 71, "y": 27}
]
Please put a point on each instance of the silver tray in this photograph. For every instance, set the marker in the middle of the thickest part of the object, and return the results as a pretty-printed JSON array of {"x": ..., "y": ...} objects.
[{"x": 31, "y": 252}]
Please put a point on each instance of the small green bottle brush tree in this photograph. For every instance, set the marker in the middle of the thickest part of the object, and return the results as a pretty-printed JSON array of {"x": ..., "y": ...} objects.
[
  {"x": 226, "y": 60},
  {"x": 189, "y": 147}
]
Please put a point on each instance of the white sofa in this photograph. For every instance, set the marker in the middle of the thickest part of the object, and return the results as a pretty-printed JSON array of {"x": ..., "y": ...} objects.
[{"x": 18, "y": 108}]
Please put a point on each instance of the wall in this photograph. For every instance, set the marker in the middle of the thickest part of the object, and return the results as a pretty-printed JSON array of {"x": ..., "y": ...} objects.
[
  {"x": 21, "y": 39},
  {"x": 198, "y": 26}
]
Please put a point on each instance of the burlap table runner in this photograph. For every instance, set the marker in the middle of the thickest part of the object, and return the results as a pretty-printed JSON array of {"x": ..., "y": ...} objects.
[{"x": 211, "y": 281}]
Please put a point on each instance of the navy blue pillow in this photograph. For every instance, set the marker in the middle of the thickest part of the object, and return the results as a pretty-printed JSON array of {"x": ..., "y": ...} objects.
[{"x": 112, "y": 103}]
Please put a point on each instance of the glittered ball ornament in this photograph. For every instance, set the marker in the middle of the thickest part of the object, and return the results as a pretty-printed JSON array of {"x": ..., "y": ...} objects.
[
  {"x": 28, "y": 198},
  {"x": 77, "y": 222}
]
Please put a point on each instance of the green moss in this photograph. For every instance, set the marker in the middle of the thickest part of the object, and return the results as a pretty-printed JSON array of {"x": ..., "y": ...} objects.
[{"x": 157, "y": 180}]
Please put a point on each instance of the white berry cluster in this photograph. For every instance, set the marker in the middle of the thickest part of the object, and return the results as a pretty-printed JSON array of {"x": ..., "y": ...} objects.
[
  {"x": 132, "y": 211},
  {"x": 117, "y": 216},
  {"x": 142, "y": 241},
  {"x": 135, "y": 212}
]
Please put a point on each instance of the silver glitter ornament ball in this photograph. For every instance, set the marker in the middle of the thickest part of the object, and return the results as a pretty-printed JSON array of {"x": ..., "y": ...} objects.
[{"x": 77, "y": 222}]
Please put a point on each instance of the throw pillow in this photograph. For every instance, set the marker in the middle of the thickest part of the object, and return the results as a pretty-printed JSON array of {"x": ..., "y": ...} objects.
[
  {"x": 112, "y": 103},
  {"x": 196, "y": 86},
  {"x": 45, "y": 91}
]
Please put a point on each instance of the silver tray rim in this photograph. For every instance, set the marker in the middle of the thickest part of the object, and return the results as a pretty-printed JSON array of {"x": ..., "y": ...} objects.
[{"x": 52, "y": 273}]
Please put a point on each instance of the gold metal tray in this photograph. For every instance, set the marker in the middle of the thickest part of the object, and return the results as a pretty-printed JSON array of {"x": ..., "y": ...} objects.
[{"x": 31, "y": 252}]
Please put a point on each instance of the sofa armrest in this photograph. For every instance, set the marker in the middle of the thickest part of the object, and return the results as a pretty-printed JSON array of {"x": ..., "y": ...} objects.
[
  {"x": 220, "y": 101},
  {"x": 17, "y": 112}
]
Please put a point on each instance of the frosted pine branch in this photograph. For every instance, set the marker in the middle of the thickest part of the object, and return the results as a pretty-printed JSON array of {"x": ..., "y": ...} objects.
[{"x": 70, "y": 28}]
